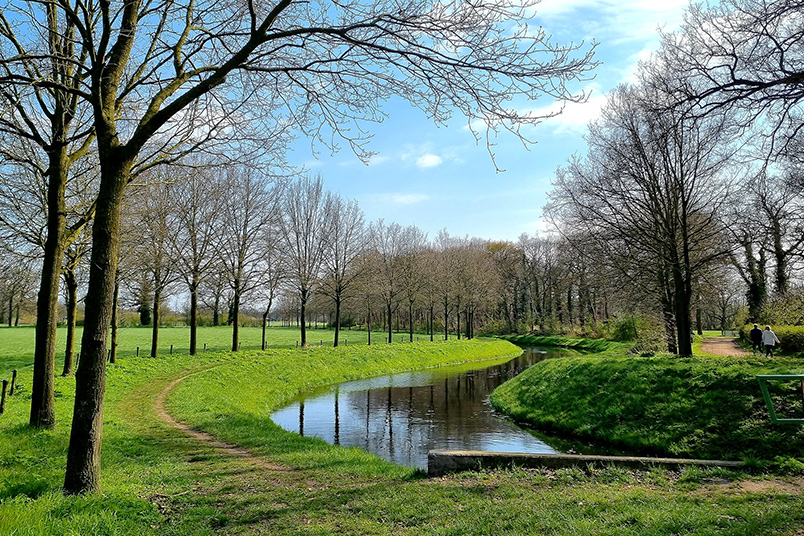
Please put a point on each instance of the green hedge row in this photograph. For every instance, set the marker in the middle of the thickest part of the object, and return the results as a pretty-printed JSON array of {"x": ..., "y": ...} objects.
[{"x": 791, "y": 338}]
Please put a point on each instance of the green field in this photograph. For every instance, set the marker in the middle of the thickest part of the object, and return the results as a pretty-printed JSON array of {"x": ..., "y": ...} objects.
[
  {"x": 17, "y": 344},
  {"x": 159, "y": 481}
]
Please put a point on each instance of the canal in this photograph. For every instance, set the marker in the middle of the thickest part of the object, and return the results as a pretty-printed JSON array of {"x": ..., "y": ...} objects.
[{"x": 401, "y": 417}]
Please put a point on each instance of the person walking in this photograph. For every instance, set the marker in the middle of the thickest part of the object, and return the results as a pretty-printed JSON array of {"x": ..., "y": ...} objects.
[
  {"x": 769, "y": 339},
  {"x": 756, "y": 339}
]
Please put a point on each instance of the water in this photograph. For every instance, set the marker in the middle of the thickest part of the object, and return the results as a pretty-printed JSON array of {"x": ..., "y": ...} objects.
[{"x": 401, "y": 417}]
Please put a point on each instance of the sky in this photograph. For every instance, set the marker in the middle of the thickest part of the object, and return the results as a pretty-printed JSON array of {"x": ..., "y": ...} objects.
[{"x": 439, "y": 177}]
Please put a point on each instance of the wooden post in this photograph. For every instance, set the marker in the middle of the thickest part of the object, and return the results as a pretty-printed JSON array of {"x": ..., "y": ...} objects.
[
  {"x": 205, "y": 347},
  {"x": 13, "y": 382},
  {"x": 138, "y": 351},
  {"x": 171, "y": 349},
  {"x": 3, "y": 398}
]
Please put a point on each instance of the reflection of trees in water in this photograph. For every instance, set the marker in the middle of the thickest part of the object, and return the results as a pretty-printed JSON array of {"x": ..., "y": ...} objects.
[{"x": 402, "y": 424}]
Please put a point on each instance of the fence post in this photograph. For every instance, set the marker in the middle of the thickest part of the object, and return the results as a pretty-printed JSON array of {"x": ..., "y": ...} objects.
[
  {"x": 171, "y": 349},
  {"x": 13, "y": 382},
  {"x": 138, "y": 351},
  {"x": 3, "y": 398},
  {"x": 205, "y": 347}
]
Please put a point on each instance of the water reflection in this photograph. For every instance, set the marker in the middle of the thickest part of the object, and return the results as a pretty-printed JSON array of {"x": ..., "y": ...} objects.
[{"x": 403, "y": 416}]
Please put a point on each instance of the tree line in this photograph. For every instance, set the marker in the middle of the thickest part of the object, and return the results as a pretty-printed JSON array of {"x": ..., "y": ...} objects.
[
  {"x": 692, "y": 179},
  {"x": 98, "y": 94},
  {"x": 107, "y": 99}
]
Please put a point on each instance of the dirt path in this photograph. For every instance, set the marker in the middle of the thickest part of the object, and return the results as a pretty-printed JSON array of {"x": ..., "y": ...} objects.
[
  {"x": 203, "y": 437},
  {"x": 723, "y": 346}
]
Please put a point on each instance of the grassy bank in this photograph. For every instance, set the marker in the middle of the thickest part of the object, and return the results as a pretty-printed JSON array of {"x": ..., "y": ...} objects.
[
  {"x": 234, "y": 401},
  {"x": 598, "y": 346},
  {"x": 157, "y": 481},
  {"x": 697, "y": 407}
]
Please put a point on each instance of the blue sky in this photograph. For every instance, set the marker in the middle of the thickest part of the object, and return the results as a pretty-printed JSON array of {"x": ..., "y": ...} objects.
[{"x": 439, "y": 177}]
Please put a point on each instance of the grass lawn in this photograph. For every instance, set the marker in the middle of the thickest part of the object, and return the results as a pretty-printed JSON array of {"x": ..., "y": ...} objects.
[
  {"x": 156, "y": 480},
  {"x": 17, "y": 343},
  {"x": 701, "y": 407}
]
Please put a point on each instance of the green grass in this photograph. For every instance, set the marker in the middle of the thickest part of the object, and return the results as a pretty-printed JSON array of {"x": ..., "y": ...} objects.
[
  {"x": 597, "y": 346},
  {"x": 698, "y": 407},
  {"x": 156, "y": 481},
  {"x": 17, "y": 343},
  {"x": 266, "y": 380}
]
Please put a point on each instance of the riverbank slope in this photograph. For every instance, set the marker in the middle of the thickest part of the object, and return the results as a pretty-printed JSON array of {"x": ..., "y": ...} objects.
[{"x": 695, "y": 407}]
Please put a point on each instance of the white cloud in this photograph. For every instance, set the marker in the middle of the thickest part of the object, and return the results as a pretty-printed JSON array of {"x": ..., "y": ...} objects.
[
  {"x": 428, "y": 160},
  {"x": 574, "y": 117},
  {"x": 400, "y": 199},
  {"x": 612, "y": 21},
  {"x": 377, "y": 159}
]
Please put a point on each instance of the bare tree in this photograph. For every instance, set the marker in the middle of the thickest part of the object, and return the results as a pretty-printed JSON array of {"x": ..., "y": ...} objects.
[
  {"x": 651, "y": 183},
  {"x": 412, "y": 279},
  {"x": 198, "y": 201},
  {"x": 305, "y": 226},
  {"x": 251, "y": 205},
  {"x": 159, "y": 73},
  {"x": 148, "y": 238},
  {"x": 74, "y": 256},
  {"x": 275, "y": 273},
  {"x": 45, "y": 129},
  {"x": 346, "y": 241},
  {"x": 743, "y": 55}
]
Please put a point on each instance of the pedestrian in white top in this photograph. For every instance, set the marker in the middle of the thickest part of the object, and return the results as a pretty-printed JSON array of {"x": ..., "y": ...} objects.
[{"x": 769, "y": 339}]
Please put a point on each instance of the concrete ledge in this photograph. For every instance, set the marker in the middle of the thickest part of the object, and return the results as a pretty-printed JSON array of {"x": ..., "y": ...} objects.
[{"x": 447, "y": 461}]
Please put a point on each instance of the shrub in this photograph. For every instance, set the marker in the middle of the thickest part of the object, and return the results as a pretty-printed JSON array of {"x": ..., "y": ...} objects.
[{"x": 791, "y": 338}]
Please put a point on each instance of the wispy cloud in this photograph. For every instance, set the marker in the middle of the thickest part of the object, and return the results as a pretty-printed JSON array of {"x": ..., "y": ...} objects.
[
  {"x": 615, "y": 21},
  {"x": 428, "y": 160},
  {"x": 574, "y": 117},
  {"x": 400, "y": 199},
  {"x": 378, "y": 159}
]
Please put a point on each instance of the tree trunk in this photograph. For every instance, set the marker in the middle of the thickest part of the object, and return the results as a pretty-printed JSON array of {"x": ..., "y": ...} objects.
[
  {"x": 410, "y": 318},
  {"x": 194, "y": 314},
  {"x": 302, "y": 313},
  {"x": 72, "y": 305},
  {"x": 682, "y": 302},
  {"x": 781, "y": 259},
  {"x": 43, "y": 412},
  {"x": 432, "y": 325},
  {"x": 235, "y": 311},
  {"x": 83, "y": 455},
  {"x": 458, "y": 323},
  {"x": 155, "y": 329},
  {"x": 388, "y": 310},
  {"x": 337, "y": 319},
  {"x": 265, "y": 322},
  {"x": 115, "y": 303},
  {"x": 368, "y": 321},
  {"x": 446, "y": 321}
]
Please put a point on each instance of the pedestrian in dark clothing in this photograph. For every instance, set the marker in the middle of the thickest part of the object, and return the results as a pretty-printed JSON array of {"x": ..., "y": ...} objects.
[{"x": 756, "y": 339}]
